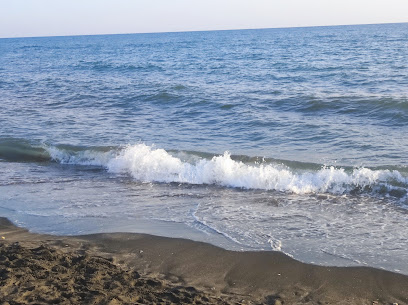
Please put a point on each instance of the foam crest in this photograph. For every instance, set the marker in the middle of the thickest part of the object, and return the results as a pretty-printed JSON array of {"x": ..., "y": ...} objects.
[{"x": 145, "y": 163}]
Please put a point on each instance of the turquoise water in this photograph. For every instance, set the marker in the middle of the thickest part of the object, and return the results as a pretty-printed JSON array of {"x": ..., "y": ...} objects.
[{"x": 285, "y": 139}]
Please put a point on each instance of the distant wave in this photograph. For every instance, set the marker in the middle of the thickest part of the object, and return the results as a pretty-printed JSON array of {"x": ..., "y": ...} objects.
[
  {"x": 392, "y": 110},
  {"x": 106, "y": 66}
]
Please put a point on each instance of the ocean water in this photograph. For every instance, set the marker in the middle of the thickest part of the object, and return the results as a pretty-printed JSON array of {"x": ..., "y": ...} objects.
[{"x": 292, "y": 140}]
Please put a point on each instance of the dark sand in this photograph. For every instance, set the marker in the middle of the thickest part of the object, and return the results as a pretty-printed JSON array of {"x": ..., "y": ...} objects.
[{"x": 124, "y": 268}]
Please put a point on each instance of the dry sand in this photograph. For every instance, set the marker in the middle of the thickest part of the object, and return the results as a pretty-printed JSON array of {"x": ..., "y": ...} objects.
[{"x": 127, "y": 268}]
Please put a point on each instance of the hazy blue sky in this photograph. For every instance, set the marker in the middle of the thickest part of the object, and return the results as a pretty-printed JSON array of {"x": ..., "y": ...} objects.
[{"x": 73, "y": 17}]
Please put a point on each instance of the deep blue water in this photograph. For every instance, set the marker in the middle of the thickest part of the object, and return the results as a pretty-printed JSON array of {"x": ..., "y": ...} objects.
[
  {"x": 320, "y": 94},
  {"x": 294, "y": 139}
]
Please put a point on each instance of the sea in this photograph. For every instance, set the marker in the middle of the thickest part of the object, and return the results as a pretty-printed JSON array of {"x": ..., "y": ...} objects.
[{"x": 290, "y": 139}]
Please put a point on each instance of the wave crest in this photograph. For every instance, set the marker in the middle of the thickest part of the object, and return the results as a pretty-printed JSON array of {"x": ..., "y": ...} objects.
[
  {"x": 149, "y": 164},
  {"x": 145, "y": 163}
]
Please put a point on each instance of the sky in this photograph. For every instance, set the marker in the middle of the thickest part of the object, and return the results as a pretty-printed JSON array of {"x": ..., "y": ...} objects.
[{"x": 25, "y": 18}]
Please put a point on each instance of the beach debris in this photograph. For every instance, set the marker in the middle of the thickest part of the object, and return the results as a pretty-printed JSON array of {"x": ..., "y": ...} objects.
[{"x": 3, "y": 237}]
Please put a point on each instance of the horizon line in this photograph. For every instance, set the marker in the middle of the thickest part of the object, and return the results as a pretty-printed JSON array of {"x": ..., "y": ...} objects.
[{"x": 214, "y": 30}]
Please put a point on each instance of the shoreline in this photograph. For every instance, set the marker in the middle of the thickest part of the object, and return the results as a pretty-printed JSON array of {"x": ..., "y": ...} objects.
[{"x": 173, "y": 270}]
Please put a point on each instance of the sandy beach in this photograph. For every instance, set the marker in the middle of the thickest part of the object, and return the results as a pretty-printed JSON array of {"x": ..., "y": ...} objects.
[{"x": 128, "y": 268}]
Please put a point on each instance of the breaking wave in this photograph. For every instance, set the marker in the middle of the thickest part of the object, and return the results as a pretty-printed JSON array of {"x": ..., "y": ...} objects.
[{"x": 150, "y": 164}]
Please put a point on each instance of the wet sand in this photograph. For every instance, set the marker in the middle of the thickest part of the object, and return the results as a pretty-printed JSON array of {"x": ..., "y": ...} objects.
[{"x": 128, "y": 268}]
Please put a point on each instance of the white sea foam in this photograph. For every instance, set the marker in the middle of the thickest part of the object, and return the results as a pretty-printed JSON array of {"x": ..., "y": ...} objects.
[{"x": 148, "y": 164}]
